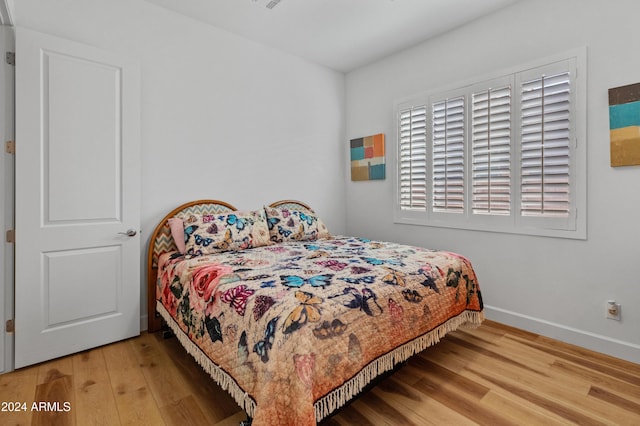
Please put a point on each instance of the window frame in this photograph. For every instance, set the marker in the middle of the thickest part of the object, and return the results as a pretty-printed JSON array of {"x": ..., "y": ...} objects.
[{"x": 573, "y": 226}]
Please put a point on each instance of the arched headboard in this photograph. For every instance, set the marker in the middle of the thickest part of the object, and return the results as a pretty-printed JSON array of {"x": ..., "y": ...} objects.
[
  {"x": 291, "y": 204},
  {"x": 161, "y": 242}
]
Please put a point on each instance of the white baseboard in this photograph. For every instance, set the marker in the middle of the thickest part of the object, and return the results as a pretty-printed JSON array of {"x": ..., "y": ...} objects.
[
  {"x": 595, "y": 342},
  {"x": 143, "y": 322}
]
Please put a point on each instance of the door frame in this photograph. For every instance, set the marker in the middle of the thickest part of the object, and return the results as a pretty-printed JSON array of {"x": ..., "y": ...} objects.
[
  {"x": 7, "y": 192},
  {"x": 6, "y": 12}
]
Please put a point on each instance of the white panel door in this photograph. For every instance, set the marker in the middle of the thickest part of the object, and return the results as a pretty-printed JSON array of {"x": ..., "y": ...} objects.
[{"x": 77, "y": 282}]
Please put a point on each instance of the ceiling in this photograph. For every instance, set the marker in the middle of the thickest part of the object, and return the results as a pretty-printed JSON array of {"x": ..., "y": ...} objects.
[{"x": 340, "y": 34}]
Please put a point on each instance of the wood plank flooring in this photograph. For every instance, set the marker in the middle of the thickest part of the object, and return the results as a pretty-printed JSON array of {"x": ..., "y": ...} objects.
[{"x": 493, "y": 375}]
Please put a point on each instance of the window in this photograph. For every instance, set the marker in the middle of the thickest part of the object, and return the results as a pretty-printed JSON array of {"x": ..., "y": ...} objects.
[
  {"x": 505, "y": 154},
  {"x": 448, "y": 142},
  {"x": 491, "y": 151},
  {"x": 412, "y": 142}
]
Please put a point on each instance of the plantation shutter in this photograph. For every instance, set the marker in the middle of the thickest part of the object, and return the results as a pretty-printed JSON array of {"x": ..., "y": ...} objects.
[
  {"x": 491, "y": 151},
  {"x": 413, "y": 158},
  {"x": 545, "y": 147},
  {"x": 448, "y": 122}
]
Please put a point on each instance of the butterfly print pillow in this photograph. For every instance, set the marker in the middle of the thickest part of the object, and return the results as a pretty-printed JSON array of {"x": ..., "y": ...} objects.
[
  {"x": 215, "y": 233},
  {"x": 294, "y": 225}
]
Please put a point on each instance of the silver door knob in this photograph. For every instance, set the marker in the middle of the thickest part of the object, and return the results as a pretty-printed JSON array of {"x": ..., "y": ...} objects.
[{"x": 129, "y": 233}]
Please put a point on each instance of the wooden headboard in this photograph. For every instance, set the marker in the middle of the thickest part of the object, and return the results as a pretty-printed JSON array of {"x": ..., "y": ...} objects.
[{"x": 161, "y": 242}]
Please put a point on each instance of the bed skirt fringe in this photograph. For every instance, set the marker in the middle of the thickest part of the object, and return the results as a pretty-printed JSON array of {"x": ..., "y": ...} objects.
[
  {"x": 348, "y": 390},
  {"x": 224, "y": 380},
  {"x": 345, "y": 393}
]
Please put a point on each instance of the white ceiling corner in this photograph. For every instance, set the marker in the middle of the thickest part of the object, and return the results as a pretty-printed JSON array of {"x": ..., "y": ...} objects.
[{"x": 340, "y": 34}]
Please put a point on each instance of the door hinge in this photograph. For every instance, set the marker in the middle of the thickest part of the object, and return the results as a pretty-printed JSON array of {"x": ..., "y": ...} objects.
[
  {"x": 10, "y": 326},
  {"x": 11, "y": 236},
  {"x": 10, "y": 57},
  {"x": 10, "y": 147}
]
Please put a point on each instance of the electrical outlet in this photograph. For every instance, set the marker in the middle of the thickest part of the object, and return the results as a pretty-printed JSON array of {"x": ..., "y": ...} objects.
[{"x": 614, "y": 310}]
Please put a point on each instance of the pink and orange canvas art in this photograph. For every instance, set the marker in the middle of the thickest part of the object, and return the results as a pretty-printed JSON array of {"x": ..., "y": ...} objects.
[{"x": 367, "y": 158}]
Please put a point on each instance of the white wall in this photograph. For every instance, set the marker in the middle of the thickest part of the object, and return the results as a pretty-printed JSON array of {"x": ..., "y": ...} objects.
[
  {"x": 551, "y": 286},
  {"x": 222, "y": 117}
]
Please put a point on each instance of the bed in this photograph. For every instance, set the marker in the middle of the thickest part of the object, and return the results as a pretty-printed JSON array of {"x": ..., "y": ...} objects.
[{"x": 291, "y": 321}]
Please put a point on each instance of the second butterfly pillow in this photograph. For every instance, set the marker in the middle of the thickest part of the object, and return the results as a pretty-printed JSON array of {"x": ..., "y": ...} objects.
[{"x": 294, "y": 225}]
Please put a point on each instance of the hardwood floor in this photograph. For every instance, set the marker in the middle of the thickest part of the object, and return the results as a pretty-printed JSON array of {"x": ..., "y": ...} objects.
[{"x": 494, "y": 375}]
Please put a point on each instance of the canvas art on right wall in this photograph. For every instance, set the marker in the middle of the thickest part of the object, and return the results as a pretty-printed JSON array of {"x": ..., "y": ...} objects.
[
  {"x": 367, "y": 158},
  {"x": 624, "y": 125}
]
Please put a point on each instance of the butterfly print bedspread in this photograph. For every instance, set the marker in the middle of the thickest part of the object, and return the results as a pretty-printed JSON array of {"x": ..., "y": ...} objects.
[{"x": 295, "y": 330}]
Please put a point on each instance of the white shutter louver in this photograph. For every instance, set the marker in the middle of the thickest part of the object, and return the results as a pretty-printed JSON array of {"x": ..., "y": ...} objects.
[
  {"x": 491, "y": 151},
  {"x": 448, "y": 120},
  {"x": 413, "y": 158},
  {"x": 545, "y": 146}
]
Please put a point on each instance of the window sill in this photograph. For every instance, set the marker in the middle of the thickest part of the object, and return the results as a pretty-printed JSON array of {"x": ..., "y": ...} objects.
[{"x": 580, "y": 233}]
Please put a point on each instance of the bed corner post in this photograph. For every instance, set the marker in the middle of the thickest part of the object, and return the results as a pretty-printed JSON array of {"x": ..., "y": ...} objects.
[{"x": 154, "y": 322}]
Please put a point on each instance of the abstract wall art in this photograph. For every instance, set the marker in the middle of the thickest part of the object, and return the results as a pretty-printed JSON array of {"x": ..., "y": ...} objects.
[
  {"x": 624, "y": 125},
  {"x": 367, "y": 158}
]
